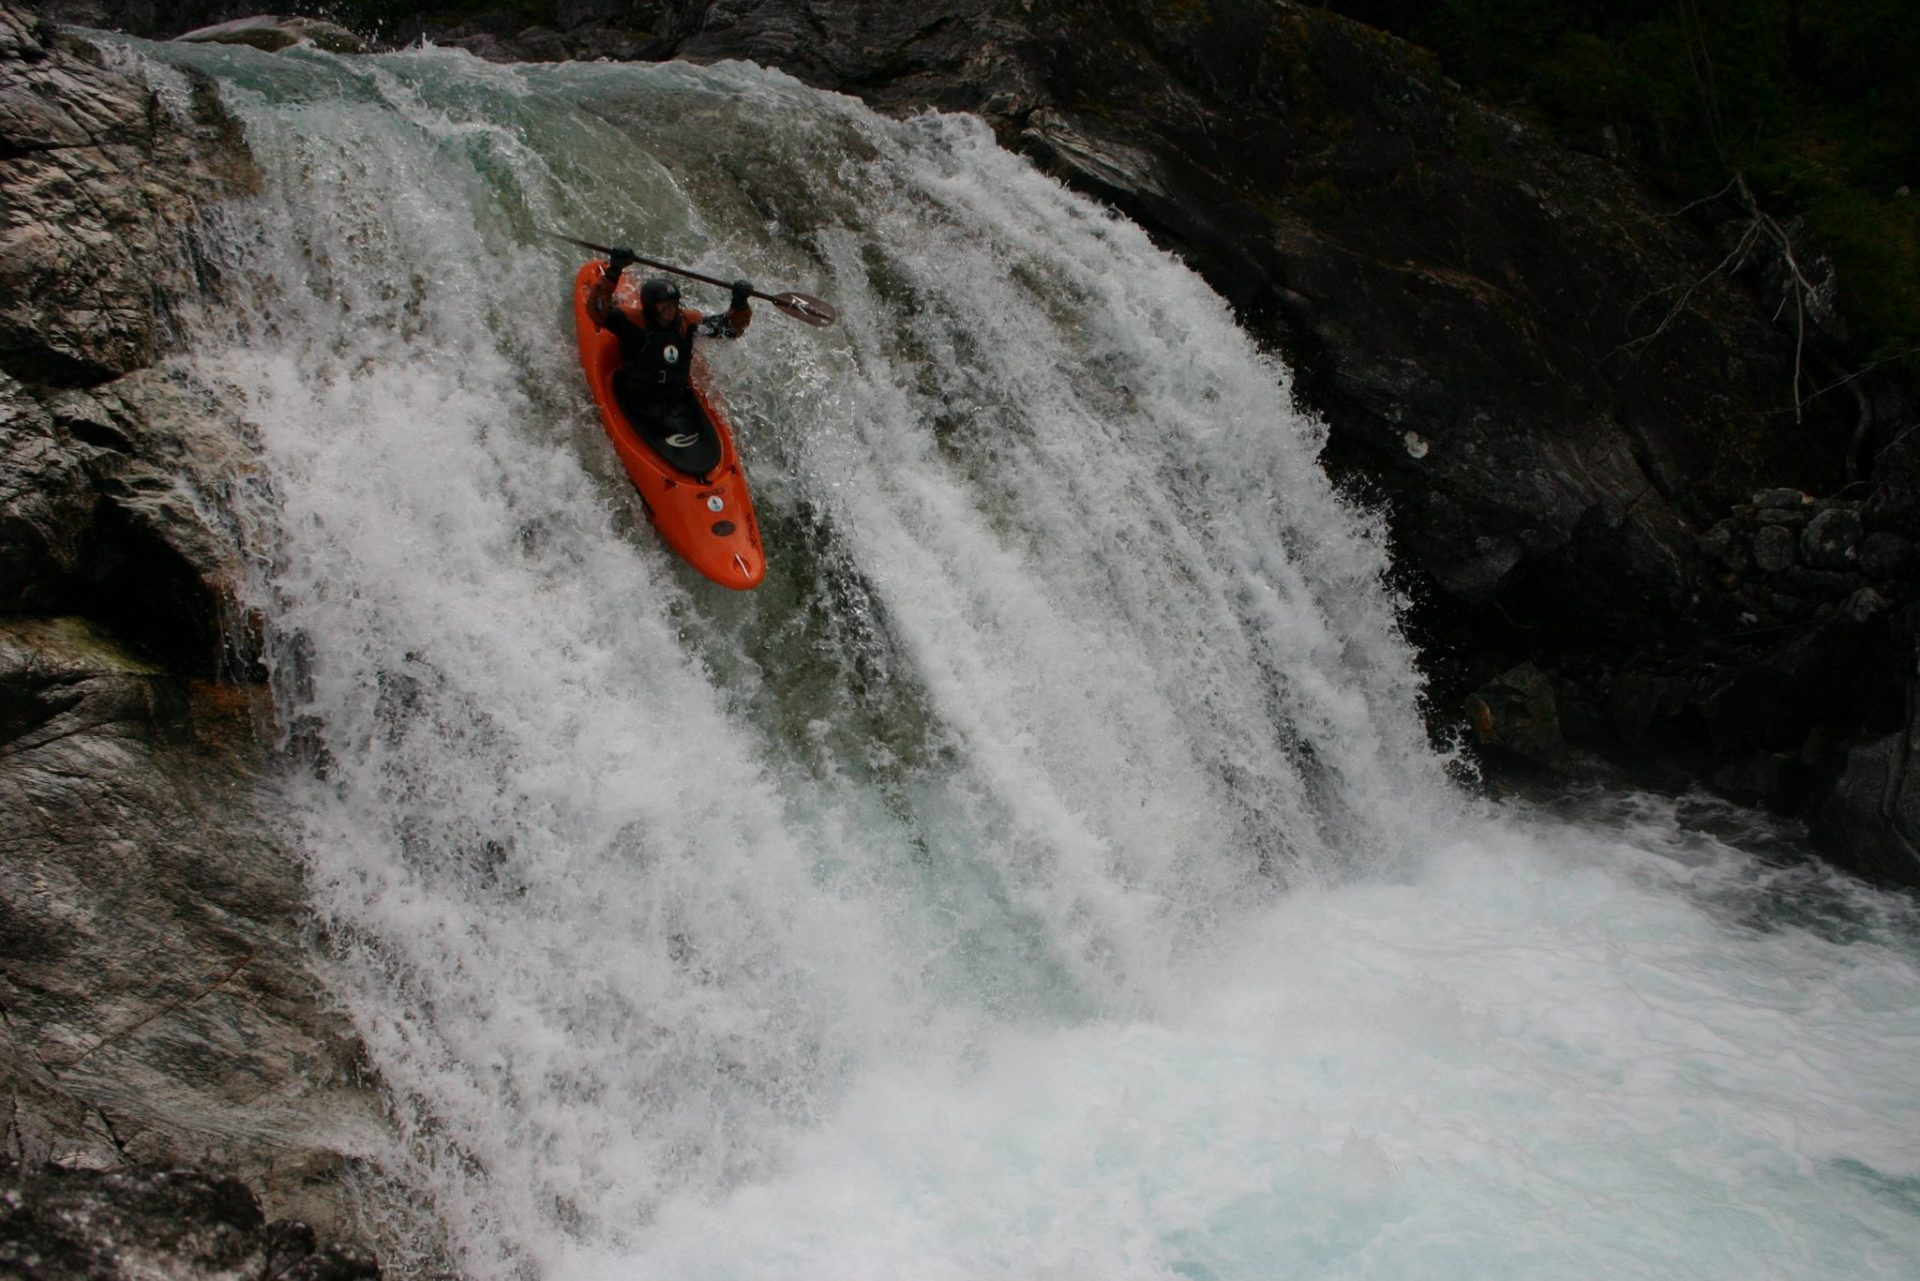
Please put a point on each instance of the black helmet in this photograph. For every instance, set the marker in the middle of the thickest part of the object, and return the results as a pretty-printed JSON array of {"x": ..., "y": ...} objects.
[{"x": 659, "y": 289}]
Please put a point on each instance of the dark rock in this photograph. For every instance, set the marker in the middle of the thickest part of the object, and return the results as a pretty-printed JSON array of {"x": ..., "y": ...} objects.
[
  {"x": 1788, "y": 607},
  {"x": 79, "y": 1225},
  {"x": 1731, "y": 544},
  {"x": 1781, "y": 516},
  {"x": 1773, "y": 549},
  {"x": 1886, "y": 556},
  {"x": 105, "y": 510},
  {"x": 1871, "y": 819},
  {"x": 537, "y": 44},
  {"x": 1518, "y": 713},
  {"x": 1643, "y": 706},
  {"x": 1821, "y": 584},
  {"x": 1831, "y": 539},
  {"x": 47, "y": 503},
  {"x": 169, "y": 1010},
  {"x": 1835, "y": 673},
  {"x": 1776, "y": 780},
  {"x": 1720, "y": 541},
  {"x": 1864, "y": 606},
  {"x": 274, "y": 34}
]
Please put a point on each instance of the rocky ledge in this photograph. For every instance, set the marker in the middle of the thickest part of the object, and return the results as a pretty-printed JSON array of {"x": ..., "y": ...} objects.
[{"x": 160, "y": 1003}]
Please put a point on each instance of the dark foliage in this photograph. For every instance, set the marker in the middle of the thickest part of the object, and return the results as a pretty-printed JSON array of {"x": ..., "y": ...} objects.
[{"x": 1813, "y": 101}]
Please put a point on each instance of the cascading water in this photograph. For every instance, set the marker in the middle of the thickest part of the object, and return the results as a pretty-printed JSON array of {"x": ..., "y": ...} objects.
[{"x": 1044, "y": 874}]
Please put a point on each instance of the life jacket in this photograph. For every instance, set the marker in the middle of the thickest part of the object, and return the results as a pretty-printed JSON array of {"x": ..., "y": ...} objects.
[{"x": 661, "y": 358}]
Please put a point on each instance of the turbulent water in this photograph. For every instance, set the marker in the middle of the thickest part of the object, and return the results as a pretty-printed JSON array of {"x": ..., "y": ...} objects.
[{"x": 1045, "y": 874}]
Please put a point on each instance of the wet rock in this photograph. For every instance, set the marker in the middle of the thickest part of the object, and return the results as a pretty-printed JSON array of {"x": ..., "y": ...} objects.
[
  {"x": 1518, "y": 713},
  {"x": 1871, "y": 819},
  {"x": 273, "y": 34},
  {"x": 72, "y": 1225},
  {"x": 1831, "y": 538},
  {"x": 538, "y": 44},
  {"x": 111, "y": 505},
  {"x": 102, "y": 179},
  {"x": 1774, "y": 549},
  {"x": 161, "y": 1003},
  {"x": 1776, "y": 780},
  {"x": 47, "y": 502}
]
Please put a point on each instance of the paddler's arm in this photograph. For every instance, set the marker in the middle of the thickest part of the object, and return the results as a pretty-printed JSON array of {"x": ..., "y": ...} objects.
[
  {"x": 738, "y": 316},
  {"x": 600, "y": 300}
]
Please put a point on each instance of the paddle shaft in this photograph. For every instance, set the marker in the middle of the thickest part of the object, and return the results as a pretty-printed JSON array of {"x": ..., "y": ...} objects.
[{"x": 663, "y": 266}]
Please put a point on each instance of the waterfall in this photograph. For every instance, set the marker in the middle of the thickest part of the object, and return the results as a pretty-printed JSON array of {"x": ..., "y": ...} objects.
[{"x": 1045, "y": 873}]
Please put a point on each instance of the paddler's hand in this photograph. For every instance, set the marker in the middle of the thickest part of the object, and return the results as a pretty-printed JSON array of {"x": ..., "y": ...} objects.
[
  {"x": 618, "y": 261},
  {"x": 742, "y": 291}
]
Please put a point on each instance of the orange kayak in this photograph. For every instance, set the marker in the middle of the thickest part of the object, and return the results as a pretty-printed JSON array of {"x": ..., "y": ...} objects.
[{"x": 708, "y": 518}]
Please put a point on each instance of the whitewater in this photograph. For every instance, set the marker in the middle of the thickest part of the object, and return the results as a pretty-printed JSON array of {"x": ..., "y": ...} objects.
[{"x": 1046, "y": 873}]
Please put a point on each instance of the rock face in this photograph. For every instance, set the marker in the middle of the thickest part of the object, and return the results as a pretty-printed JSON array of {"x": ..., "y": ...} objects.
[
  {"x": 159, "y": 1001},
  {"x": 102, "y": 179},
  {"x": 76, "y": 1225}
]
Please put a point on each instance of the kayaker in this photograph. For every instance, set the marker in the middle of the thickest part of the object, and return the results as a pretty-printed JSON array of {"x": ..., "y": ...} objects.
[{"x": 656, "y": 350}]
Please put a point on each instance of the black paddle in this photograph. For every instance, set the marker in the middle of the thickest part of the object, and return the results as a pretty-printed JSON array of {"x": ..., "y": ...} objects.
[{"x": 813, "y": 310}]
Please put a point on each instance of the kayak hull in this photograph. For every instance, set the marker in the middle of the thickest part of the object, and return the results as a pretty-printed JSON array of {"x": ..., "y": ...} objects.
[{"x": 707, "y": 520}]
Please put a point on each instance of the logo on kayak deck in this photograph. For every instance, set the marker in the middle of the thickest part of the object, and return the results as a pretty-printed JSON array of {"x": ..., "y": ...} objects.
[
  {"x": 684, "y": 440},
  {"x": 671, "y": 355},
  {"x": 715, "y": 503}
]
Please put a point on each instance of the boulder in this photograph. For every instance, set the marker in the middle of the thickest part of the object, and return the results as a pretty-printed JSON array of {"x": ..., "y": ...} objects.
[
  {"x": 1517, "y": 712},
  {"x": 273, "y": 33},
  {"x": 1831, "y": 539},
  {"x": 1870, "y": 821},
  {"x": 1774, "y": 549}
]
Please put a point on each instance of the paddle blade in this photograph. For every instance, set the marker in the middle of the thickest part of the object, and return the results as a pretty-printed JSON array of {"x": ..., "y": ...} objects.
[{"x": 814, "y": 311}]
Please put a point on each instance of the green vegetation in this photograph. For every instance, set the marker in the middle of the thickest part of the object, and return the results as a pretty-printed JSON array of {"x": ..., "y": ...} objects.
[{"x": 1814, "y": 102}]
